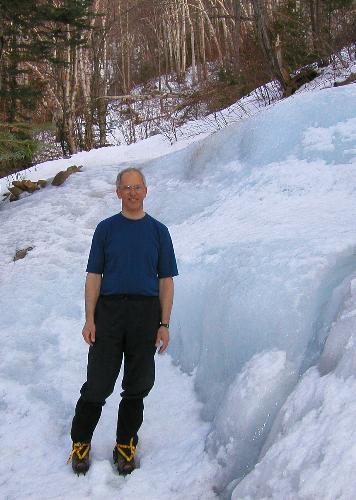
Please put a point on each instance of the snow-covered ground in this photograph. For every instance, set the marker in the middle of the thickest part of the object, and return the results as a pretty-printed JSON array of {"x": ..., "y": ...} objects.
[
  {"x": 43, "y": 356},
  {"x": 263, "y": 217},
  {"x": 342, "y": 66},
  {"x": 35, "y": 446}
]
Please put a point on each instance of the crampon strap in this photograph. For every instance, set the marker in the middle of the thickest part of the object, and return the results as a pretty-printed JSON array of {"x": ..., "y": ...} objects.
[
  {"x": 79, "y": 449},
  {"x": 130, "y": 446}
]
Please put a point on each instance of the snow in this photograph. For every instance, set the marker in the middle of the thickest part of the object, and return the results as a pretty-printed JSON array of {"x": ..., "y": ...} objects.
[
  {"x": 110, "y": 156},
  {"x": 43, "y": 357},
  {"x": 263, "y": 217},
  {"x": 311, "y": 449},
  {"x": 235, "y": 441},
  {"x": 342, "y": 67},
  {"x": 35, "y": 447}
]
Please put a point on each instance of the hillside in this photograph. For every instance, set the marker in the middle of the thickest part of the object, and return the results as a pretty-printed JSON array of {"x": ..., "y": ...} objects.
[{"x": 263, "y": 217}]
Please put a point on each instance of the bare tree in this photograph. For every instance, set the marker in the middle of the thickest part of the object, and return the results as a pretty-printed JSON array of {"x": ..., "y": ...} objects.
[{"x": 273, "y": 58}]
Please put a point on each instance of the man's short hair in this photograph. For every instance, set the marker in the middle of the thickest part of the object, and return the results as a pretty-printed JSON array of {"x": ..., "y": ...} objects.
[{"x": 129, "y": 169}]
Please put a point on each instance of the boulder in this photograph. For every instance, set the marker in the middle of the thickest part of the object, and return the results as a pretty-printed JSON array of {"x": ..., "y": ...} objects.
[
  {"x": 63, "y": 175},
  {"x": 21, "y": 254},
  {"x": 350, "y": 79},
  {"x": 16, "y": 191},
  {"x": 17, "y": 184},
  {"x": 26, "y": 185},
  {"x": 60, "y": 178},
  {"x": 74, "y": 168}
]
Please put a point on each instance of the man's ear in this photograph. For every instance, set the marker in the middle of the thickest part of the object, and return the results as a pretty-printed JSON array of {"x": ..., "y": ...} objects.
[{"x": 118, "y": 193}]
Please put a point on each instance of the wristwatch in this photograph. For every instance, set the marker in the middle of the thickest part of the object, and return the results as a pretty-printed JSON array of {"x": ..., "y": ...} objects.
[{"x": 166, "y": 325}]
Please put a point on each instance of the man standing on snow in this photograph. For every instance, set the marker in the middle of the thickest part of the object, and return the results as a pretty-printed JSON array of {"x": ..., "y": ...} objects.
[{"x": 128, "y": 302}]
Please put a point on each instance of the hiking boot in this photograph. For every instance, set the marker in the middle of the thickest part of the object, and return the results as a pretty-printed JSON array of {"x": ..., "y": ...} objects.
[
  {"x": 124, "y": 457},
  {"x": 79, "y": 457}
]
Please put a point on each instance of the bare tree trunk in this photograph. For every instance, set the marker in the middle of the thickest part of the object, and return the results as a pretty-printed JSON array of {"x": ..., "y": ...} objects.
[
  {"x": 204, "y": 69},
  {"x": 85, "y": 80},
  {"x": 318, "y": 21},
  {"x": 314, "y": 24},
  {"x": 101, "y": 103},
  {"x": 128, "y": 52},
  {"x": 176, "y": 36},
  {"x": 265, "y": 38},
  {"x": 192, "y": 42},
  {"x": 237, "y": 35},
  {"x": 69, "y": 95},
  {"x": 212, "y": 32},
  {"x": 121, "y": 33},
  {"x": 184, "y": 45}
]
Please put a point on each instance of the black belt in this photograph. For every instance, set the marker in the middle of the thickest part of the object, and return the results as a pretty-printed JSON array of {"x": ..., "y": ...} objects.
[{"x": 129, "y": 296}]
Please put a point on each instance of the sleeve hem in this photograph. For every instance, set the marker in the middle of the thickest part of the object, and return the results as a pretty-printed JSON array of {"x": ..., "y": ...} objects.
[
  {"x": 167, "y": 276},
  {"x": 93, "y": 271}
]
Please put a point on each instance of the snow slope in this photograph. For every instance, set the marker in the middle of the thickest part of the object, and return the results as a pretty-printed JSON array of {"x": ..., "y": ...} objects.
[
  {"x": 265, "y": 230},
  {"x": 43, "y": 360},
  {"x": 263, "y": 217}
]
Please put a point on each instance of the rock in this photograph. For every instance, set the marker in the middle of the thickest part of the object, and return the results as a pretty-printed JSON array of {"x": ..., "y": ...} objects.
[
  {"x": 60, "y": 178},
  {"x": 350, "y": 79},
  {"x": 30, "y": 186},
  {"x": 26, "y": 185},
  {"x": 15, "y": 191},
  {"x": 21, "y": 254},
  {"x": 17, "y": 184},
  {"x": 63, "y": 175},
  {"x": 74, "y": 168}
]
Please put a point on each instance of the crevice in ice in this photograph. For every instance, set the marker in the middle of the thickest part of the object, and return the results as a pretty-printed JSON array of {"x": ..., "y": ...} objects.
[{"x": 333, "y": 291}]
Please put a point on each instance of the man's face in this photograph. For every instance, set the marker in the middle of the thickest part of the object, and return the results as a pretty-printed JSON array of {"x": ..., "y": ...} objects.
[{"x": 131, "y": 191}]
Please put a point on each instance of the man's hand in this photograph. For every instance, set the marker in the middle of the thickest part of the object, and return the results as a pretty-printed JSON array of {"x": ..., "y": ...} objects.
[
  {"x": 162, "y": 339},
  {"x": 89, "y": 332}
]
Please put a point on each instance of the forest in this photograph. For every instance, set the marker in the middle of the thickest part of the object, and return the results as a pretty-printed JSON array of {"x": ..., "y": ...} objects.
[{"x": 72, "y": 70}]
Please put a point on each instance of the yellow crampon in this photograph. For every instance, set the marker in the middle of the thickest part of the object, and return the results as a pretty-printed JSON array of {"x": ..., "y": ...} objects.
[
  {"x": 130, "y": 446},
  {"x": 79, "y": 449}
]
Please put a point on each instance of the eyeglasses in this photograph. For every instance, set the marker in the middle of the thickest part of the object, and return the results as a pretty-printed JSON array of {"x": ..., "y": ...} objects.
[{"x": 134, "y": 187}]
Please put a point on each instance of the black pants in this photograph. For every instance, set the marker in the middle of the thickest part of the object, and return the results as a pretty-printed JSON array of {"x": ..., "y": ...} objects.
[{"x": 126, "y": 325}]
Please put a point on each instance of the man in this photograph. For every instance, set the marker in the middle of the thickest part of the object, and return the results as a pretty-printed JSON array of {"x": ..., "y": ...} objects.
[{"x": 128, "y": 302}]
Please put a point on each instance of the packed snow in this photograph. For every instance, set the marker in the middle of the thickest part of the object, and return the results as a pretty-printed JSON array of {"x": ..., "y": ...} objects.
[{"x": 262, "y": 404}]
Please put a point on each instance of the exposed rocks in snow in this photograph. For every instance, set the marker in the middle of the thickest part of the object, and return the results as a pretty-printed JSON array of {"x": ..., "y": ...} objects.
[
  {"x": 350, "y": 79},
  {"x": 27, "y": 186},
  {"x": 15, "y": 193},
  {"x": 24, "y": 186},
  {"x": 63, "y": 175},
  {"x": 21, "y": 254}
]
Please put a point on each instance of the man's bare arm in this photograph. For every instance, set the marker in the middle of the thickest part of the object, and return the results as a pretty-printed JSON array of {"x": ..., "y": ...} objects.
[
  {"x": 166, "y": 293},
  {"x": 92, "y": 292}
]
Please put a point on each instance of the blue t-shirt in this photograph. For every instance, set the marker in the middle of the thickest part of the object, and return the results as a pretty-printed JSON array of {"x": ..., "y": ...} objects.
[{"x": 131, "y": 255}]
